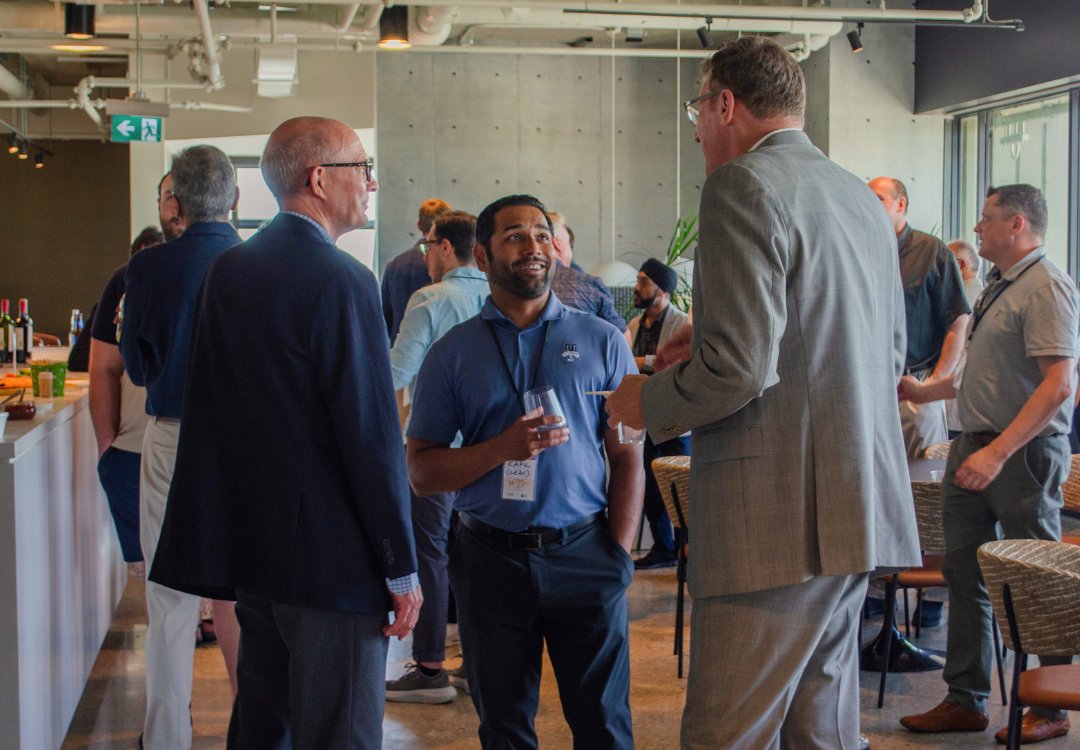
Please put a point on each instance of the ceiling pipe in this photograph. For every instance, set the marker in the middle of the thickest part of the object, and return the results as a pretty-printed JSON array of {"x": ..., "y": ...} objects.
[
  {"x": 372, "y": 14},
  {"x": 210, "y": 106},
  {"x": 11, "y": 85},
  {"x": 350, "y": 15},
  {"x": 430, "y": 25},
  {"x": 82, "y": 98},
  {"x": 210, "y": 55}
]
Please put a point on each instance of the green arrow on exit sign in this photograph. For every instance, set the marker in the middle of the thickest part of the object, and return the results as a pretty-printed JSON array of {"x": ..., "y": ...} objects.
[{"x": 129, "y": 128}]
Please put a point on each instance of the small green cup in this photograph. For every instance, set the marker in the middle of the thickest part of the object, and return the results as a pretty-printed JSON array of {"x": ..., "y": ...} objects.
[{"x": 59, "y": 371}]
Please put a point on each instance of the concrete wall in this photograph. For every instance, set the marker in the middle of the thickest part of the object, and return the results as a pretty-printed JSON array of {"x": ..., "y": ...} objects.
[
  {"x": 860, "y": 113},
  {"x": 471, "y": 128}
]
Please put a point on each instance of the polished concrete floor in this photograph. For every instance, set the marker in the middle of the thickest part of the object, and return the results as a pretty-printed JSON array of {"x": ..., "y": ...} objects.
[{"x": 110, "y": 713}]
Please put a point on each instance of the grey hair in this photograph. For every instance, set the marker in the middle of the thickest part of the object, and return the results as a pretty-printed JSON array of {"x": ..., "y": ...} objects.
[
  {"x": 204, "y": 182},
  {"x": 1026, "y": 200},
  {"x": 287, "y": 161}
]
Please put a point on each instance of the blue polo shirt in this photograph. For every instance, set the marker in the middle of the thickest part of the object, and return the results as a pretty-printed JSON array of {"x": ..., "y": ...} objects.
[
  {"x": 162, "y": 285},
  {"x": 463, "y": 386}
]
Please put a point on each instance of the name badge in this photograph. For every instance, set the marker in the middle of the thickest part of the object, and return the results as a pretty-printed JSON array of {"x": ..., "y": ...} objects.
[{"x": 519, "y": 480}]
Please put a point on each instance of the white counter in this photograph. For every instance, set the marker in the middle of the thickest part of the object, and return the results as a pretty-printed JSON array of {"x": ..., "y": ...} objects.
[{"x": 61, "y": 573}]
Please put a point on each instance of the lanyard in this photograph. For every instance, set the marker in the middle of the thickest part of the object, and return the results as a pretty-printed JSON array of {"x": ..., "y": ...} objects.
[
  {"x": 506, "y": 365},
  {"x": 982, "y": 305}
]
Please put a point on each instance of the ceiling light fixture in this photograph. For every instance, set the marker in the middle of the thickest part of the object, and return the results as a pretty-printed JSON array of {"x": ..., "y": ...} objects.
[
  {"x": 78, "y": 21},
  {"x": 39, "y": 161},
  {"x": 394, "y": 28},
  {"x": 78, "y": 48},
  {"x": 854, "y": 38},
  {"x": 703, "y": 33},
  {"x": 13, "y": 144},
  {"x": 23, "y": 153}
]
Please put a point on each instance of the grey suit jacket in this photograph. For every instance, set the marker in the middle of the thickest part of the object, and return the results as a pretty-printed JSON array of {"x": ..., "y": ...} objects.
[{"x": 799, "y": 338}]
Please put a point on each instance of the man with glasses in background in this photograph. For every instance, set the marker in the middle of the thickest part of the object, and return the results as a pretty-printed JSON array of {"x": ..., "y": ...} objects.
[
  {"x": 799, "y": 483},
  {"x": 457, "y": 293},
  {"x": 290, "y": 491},
  {"x": 407, "y": 271}
]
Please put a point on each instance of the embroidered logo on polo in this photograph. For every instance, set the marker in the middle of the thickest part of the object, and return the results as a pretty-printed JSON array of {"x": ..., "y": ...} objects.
[{"x": 570, "y": 352}]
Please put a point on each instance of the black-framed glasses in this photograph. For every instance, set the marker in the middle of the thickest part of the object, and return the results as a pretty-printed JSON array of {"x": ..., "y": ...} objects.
[
  {"x": 426, "y": 245},
  {"x": 368, "y": 167},
  {"x": 693, "y": 111}
]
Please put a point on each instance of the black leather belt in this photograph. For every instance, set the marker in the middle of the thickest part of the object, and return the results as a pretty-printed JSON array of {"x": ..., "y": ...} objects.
[
  {"x": 983, "y": 439},
  {"x": 529, "y": 539}
]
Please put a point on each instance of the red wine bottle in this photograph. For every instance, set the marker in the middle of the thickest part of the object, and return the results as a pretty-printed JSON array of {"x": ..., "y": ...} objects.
[{"x": 24, "y": 333}]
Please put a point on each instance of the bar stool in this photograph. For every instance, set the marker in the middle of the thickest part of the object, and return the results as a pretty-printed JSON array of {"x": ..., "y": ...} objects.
[
  {"x": 1035, "y": 586},
  {"x": 673, "y": 478}
]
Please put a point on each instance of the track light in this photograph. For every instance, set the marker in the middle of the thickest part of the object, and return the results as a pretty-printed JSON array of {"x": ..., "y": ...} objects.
[
  {"x": 394, "y": 28},
  {"x": 78, "y": 21},
  {"x": 854, "y": 38},
  {"x": 13, "y": 144},
  {"x": 23, "y": 153},
  {"x": 39, "y": 161},
  {"x": 703, "y": 33}
]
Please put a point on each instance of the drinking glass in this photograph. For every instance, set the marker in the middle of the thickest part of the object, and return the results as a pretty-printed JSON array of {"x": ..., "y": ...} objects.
[
  {"x": 630, "y": 435},
  {"x": 544, "y": 401}
]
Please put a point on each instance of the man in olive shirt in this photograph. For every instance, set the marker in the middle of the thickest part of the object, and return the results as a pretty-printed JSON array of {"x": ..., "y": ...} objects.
[
  {"x": 937, "y": 314},
  {"x": 1008, "y": 465}
]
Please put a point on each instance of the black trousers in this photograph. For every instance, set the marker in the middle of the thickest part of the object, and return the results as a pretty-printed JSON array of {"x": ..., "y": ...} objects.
[{"x": 570, "y": 594}]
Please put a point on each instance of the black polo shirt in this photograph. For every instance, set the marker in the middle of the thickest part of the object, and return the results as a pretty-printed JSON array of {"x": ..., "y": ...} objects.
[{"x": 933, "y": 295}]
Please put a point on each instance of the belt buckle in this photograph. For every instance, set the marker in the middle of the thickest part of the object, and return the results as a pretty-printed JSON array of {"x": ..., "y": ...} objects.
[{"x": 527, "y": 540}]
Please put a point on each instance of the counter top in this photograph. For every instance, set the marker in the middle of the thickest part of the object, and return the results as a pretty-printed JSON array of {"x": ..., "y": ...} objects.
[{"x": 23, "y": 434}]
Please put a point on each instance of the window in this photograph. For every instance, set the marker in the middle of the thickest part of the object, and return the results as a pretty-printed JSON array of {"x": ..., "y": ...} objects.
[{"x": 1030, "y": 143}]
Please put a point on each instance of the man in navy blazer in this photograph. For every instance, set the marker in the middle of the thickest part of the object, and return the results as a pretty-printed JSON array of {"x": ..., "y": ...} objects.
[{"x": 290, "y": 485}]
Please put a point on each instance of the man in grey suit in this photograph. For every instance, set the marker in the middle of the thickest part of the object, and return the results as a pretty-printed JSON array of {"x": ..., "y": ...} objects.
[{"x": 799, "y": 485}]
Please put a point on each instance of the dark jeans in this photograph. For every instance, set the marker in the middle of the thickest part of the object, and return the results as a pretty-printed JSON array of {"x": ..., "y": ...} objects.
[
  {"x": 570, "y": 594},
  {"x": 655, "y": 512},
  {"x": 309, "y": 679},
  {"x": 119, "y": 474}
]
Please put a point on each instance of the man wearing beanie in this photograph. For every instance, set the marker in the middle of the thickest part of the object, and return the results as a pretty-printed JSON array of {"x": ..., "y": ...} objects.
[{"x": 649, "y": 331}]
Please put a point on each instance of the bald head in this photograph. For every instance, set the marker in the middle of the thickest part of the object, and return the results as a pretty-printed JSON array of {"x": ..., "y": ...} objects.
[
  {"x": 966, "y": 257},
  {"x": 893, "y": 196},
  {"x": 296, "y": 146},
  {"x": 561, "y": 241}
]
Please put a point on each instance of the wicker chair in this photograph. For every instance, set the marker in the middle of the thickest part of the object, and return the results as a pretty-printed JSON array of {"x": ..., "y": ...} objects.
[
  {"x": 938, "y": 450},
  {"x": 930, "y": 521},
  {"x": 1071, "y": 489},
  {"x": 673, "y": 478},
  {"x": 1034, "y": 585}
]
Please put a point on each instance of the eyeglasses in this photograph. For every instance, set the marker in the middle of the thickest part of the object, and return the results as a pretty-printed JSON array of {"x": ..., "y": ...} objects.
[
  {"x": 367, "y": 166},
  {"x": 693, "y": 111},
  {"x": 426, "y": 245}
]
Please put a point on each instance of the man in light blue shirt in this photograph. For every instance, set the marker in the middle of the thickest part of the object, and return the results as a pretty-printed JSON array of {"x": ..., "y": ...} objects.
[{"x": 458, "y": 293}]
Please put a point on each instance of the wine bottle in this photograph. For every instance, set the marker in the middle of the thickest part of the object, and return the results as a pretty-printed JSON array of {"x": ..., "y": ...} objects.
[
  {"x": 24, "y": 333},
  {"x": 7, "y": 335}
]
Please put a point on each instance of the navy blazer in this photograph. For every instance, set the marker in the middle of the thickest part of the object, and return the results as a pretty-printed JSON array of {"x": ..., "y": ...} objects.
[
  {"x": 402, "y": 276},
  {"x": 290, "y": 472}
]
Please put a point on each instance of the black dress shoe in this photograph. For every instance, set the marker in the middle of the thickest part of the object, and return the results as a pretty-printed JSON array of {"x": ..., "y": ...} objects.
[{"x": 656, "y": 558}]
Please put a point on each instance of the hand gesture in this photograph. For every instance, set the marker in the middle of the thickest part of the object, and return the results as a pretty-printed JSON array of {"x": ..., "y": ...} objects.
[{"x": 527, "y": 436}]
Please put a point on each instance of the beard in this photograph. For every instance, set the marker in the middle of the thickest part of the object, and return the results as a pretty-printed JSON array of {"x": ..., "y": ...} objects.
[
  {"x": 172, "y": 228},
  {"x": 504, "y": 275},
  {"x": 643, "y": 304}
]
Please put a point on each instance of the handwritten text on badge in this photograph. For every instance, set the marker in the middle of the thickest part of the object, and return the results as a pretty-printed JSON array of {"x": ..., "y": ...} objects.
[{"x": 519, "y": 480}]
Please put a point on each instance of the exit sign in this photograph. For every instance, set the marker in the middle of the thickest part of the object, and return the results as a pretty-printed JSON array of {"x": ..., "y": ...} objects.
[{"x": 131, "y": 128}]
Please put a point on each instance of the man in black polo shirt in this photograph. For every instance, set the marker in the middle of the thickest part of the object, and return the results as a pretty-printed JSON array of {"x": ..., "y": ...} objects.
[{"x": 937, "y": 315}]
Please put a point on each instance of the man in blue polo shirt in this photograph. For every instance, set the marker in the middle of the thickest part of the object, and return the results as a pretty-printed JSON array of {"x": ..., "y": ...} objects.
[
  {"x": 162, "y": 284},
  {"x": 537, "y": 559}
]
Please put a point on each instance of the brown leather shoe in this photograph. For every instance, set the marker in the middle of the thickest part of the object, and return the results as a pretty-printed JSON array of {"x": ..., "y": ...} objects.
[
  {"x": 947, "y": 717},
  {"x": 1035, "y": 728}
]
